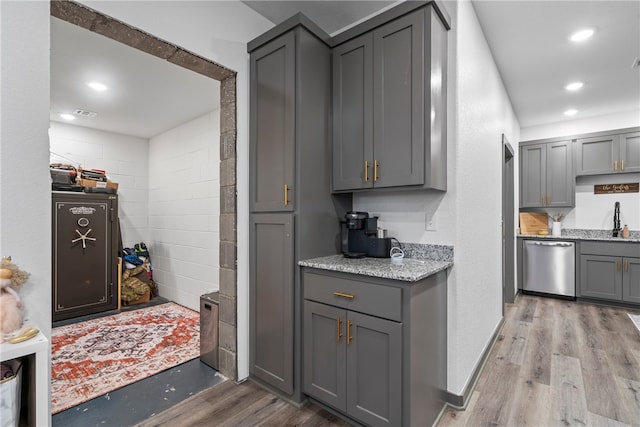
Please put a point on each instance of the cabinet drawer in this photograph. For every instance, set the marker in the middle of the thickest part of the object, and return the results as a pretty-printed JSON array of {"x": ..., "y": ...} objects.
[
  {"x": 611, "y": 249},
  {"x": 368, "y": 298}
]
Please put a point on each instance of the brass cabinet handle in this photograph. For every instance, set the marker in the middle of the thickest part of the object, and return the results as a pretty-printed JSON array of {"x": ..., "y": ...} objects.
[
  {"x": 626, "y": 265},
  {"x": 376, "y": 165},
  {"x": 621, "y": 165},
  {"x": 542, "y": 200},
  {"x": 286, "y": 194},
  {"x": 619, "y": 264},
  {"x": 548, "y": 200},
  {"x": 343, "y": 295},
  {"x": 366, "y": 171},
  {"x": 615, "y": 165},
  {"x": 339, "y": 326},
  {"x": 349, "y": 337}
]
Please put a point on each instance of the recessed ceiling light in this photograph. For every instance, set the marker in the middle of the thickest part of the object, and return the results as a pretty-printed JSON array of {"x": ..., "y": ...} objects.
[
  {"x": 582, "y": 35},
  {"x": 67, "y": 116},
  {"x": 97, "y": 86},
  {"x": 574, "y": 86},
  {"x": 571, "y": 112}
]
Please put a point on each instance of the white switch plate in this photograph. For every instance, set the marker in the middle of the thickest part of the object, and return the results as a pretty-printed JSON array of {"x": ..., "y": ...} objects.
[{"x": 430, "y": 223}]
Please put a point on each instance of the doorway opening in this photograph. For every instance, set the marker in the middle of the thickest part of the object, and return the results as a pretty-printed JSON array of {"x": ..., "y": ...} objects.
[{"x": 82, "y": 16}]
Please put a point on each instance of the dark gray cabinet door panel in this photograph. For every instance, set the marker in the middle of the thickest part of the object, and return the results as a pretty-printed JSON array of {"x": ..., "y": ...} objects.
[
  {"x": 560, "y": 181},
  {"x": 601, "y": 277},
  {"x": 272, "y": 134},
  {"x": 597, "y": 155},
  {"x": 325, "y": 360},
  {"x": 271, "y": 299},
  {"x": 398, "y": 80},
  {"x": 353, "y": 114},
  {"x": 374, "y": 370},
  {"x": 533, "y": 180},
  {"x": 630, "y": 152},
  {"x": 631, "y": 280}
]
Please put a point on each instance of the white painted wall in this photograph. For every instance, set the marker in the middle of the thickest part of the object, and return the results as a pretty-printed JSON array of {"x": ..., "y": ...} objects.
[
  {"x": 184, "y": 209},
  {"x": 468, "y": 215},
  {"x": 595, "y": 211},
  {"x": 123, "y": 157},
  {"x": 25, "y": 191},
  {"x": 219, "y": 31}
]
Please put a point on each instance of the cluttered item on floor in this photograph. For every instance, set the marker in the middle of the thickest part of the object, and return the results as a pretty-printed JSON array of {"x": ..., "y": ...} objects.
[{"x": 137, "y": 275}]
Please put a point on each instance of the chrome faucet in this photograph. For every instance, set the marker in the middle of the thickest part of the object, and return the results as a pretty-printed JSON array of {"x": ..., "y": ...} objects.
[{"x": 616, "y": 220}]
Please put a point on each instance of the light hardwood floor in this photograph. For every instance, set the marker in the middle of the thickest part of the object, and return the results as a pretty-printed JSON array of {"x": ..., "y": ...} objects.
[{"x": 555, "y": 362}]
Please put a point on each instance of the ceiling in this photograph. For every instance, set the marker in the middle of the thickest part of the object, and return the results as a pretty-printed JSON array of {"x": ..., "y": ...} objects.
[{"x": 528, "y": 39}]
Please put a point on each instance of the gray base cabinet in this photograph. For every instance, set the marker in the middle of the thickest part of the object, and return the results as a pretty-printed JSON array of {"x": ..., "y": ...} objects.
[
  {"x": 374, "y": 349},
  {"x": 610, "y": 271}
]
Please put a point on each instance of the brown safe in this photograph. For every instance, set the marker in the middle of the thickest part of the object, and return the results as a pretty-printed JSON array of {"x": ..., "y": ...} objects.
[{"x": 84, "y": 253}]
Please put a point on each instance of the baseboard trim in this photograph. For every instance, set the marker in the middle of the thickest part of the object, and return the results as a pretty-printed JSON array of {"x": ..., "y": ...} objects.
[{"x": 460, "y": 401}]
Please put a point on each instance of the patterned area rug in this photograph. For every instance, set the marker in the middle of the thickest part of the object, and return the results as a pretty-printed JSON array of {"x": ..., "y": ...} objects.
[
  {"x": 92, "y": 358},
  {"x": 635, "y": 318}
]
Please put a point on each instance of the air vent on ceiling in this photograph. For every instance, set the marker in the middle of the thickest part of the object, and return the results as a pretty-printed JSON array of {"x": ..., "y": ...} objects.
[
  {"x": 84, "y": 113},
  {"x": 636, "y": 63}
]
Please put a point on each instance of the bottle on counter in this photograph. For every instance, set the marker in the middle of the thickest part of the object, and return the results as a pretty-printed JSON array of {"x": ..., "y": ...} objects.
[{"x": 625, "y": 232}]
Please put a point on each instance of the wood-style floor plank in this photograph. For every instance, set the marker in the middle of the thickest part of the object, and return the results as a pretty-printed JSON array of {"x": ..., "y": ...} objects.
[
  {"x": 578, "y": 367},
  {"x": 555, "y": 363}
]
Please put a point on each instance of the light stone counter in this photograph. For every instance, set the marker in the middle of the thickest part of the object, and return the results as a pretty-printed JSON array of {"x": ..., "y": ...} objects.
[{"x": 578, "y": 234}]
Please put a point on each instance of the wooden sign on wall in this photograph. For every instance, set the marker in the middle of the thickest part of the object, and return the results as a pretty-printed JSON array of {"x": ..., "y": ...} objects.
[{"x": 616, "y": 188}]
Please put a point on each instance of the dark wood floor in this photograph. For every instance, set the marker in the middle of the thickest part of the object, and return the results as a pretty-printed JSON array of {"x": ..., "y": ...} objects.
[{"x": 555, "y": 363}]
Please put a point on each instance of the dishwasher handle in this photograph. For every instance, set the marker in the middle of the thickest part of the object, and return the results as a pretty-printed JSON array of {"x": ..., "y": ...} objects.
[{"x": 556, "y": 244}]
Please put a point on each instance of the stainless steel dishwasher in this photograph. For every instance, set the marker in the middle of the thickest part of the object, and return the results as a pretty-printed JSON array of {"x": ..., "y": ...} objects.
[{"x": 549, "y": 267}]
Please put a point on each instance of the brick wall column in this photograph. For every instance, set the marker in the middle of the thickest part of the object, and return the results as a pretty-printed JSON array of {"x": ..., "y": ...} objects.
[{"x": 228, "y": 230}]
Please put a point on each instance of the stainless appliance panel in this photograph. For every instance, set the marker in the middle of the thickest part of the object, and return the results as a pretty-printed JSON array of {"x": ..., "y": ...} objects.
[{"x": 549, "y": 267}]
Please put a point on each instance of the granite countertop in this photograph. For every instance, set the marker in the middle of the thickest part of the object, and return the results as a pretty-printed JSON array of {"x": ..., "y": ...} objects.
[
  {"x": 579, "y": 234},
  {"x": 420, "y": 261}
]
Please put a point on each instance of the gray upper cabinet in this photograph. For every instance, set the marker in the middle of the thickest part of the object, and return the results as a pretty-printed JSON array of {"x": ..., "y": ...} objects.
[
  {"x": 272, "y": 130},
  {"x": 292, "y": 210},
  {"x": 546, "y": 175},
  {"x": 630, "y": 152},
  {"x": 389, "y": 106},
  {"x": 607, "y": 154}
]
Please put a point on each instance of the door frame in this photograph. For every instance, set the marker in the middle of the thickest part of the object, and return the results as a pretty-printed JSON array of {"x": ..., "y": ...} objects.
[
  {"x": 508, "y": 224},
  {"x": 94, "y": 21}
]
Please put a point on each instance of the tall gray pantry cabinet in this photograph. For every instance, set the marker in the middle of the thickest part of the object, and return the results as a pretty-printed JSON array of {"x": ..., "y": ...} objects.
[{"x": 292, "y": 214}]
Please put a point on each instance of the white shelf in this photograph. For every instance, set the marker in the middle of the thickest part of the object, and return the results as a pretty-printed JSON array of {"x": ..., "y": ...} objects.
[{"x": 39, "y": 389}]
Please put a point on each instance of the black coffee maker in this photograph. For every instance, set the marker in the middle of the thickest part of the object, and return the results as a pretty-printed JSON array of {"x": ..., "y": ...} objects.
[{"x": 360, "y": 237}]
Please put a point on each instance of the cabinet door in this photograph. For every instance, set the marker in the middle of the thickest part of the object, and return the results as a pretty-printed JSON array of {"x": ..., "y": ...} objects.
[
  {"x": 374, "y": 370},
  {"x": 630, "y": 152},
  {"x": 398, "y": 102},
  {"x": 533, "y": 179},
  {"x": 272, "y": 125},
  {"x": 601, "y": 277},
  {"x": 560, "y": 188},
  {"x": 271, "y": 299},
  {"x": 597, "y": 155},
  {"x": 631, "y": 280},
  {"x": 325, "y": 354},
  {"x": 353, "y": 114}
]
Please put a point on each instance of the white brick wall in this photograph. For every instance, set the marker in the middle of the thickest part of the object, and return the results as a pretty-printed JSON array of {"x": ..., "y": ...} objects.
[
  {"x": 184, "y": 208},
  {"x": 124, "y": 157}
]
